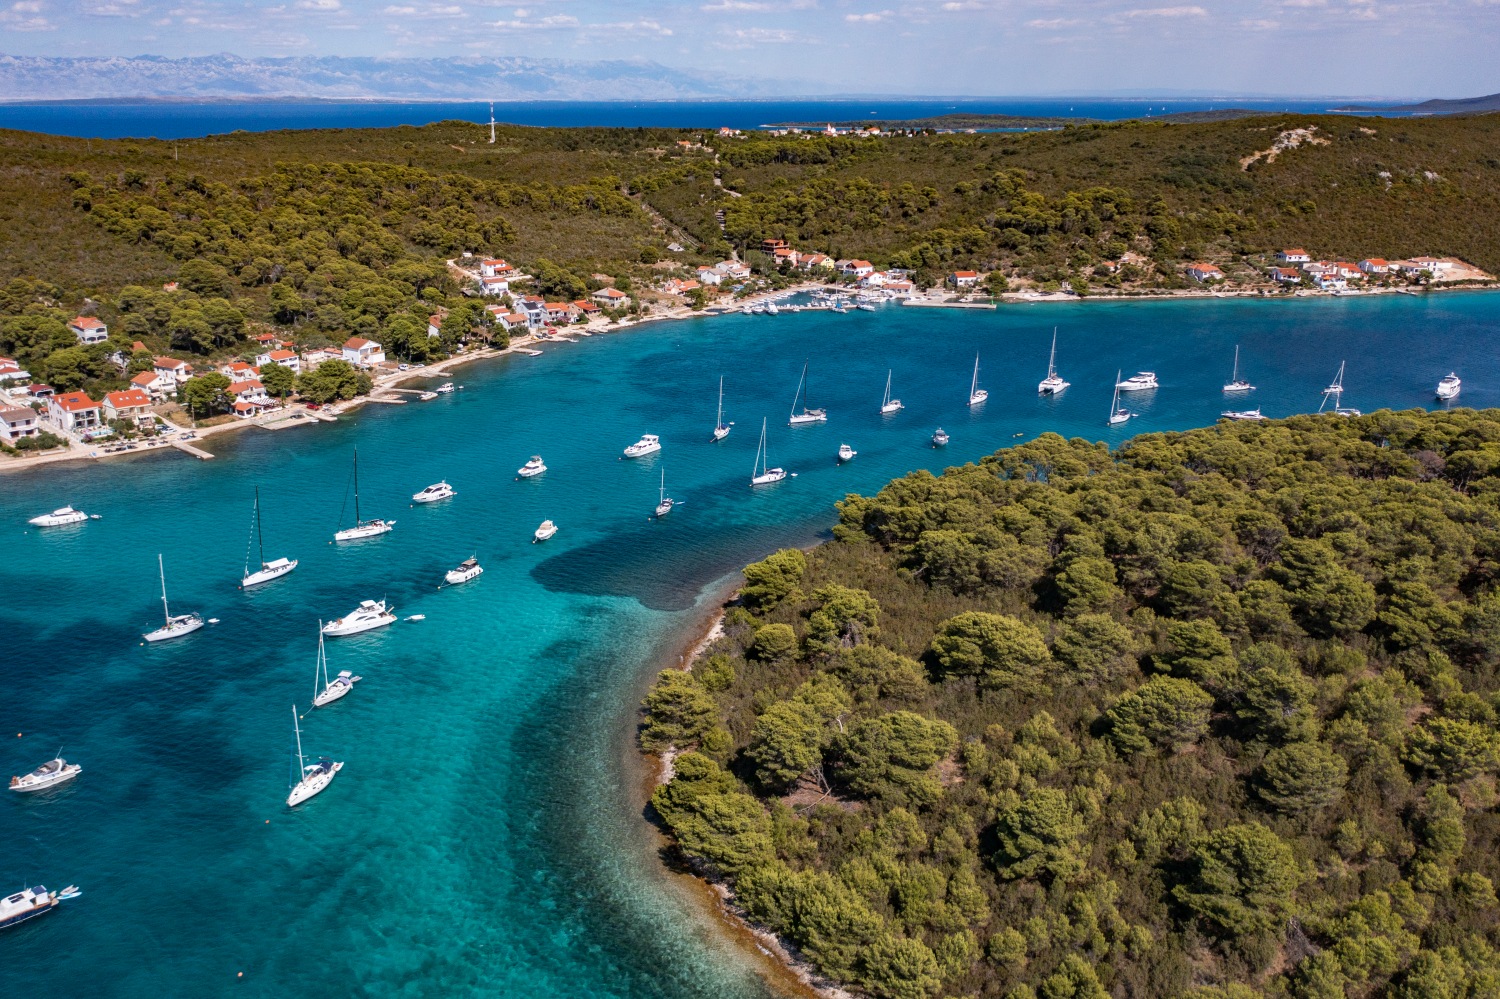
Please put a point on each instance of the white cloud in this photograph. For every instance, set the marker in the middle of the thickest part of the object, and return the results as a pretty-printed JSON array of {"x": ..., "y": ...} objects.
[
  {"x": 548, "y": 23},
  {"x": 1053, "y": 23},
  {"x": 755, "y": 6},
  {"x": 870, "y": 17},
  {"x": 1260, "y": 25},
  {"x": 958, "y": 5},
  {"x": 1166, "y": 12},
  {"x": 637, "y": 27},
  {"x": 774, "y": 36},
  {"x": 25, "y": 15},
  {"x": 114, "y": 8},
  {"x": 319, "y": 5},
  {"x": 425, "y": 10}
]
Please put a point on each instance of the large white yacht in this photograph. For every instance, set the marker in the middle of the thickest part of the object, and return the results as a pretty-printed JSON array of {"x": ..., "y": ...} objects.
[
  {"x": 311, "y": 777},
  {"x": 1141, "y": 381},
  {"x": 60, "y": 517},
  {"x": 846, "y": 453},
  {"x": 648, "y": 444},
  {"x": 433, "y": 493},
  {"x": 939, "y": 437},
  {"x": 369, "y": 615},
  {"x": 49, "y": 774},
  {"x": 468, "y": 569},
  {"x": 30, "y": 902},
  {"x": 1243, "y": 415},
  {"x": 1447, "y": 389},
  {"x": 176, "y": 625},
  {"x": 535, "y": 466}
]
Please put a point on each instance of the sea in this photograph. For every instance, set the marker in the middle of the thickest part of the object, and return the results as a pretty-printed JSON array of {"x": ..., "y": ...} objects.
[
  {"x": 115, "y": 119},
  {"x": 487, "y": 834}
]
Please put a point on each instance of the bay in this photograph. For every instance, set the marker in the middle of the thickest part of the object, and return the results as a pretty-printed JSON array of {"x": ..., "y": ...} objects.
[
  {"x": 117, "y": 119},
  {"x": 486, "y": 836}
]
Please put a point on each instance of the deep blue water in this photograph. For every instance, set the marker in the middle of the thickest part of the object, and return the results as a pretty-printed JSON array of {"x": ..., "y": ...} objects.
[
  {"x": 485, "y": 836},
  {"x": 188, "y": 120}
]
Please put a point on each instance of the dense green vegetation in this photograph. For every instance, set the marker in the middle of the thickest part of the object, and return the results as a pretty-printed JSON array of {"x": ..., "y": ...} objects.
[{"x": 1213, "y": 716}]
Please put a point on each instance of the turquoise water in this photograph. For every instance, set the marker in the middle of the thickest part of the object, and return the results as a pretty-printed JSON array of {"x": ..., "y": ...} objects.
[{"x": 485, "y": 835}]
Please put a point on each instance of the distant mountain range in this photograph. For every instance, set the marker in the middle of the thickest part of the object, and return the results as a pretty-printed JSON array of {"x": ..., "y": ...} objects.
[
  {"x": 1466, "y": 105},
  {"x": 472, "y": 78}
]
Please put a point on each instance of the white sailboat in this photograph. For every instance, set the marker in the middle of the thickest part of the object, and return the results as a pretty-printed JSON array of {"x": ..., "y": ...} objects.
[
  {"x": 311, "y": 777},
  {"x": 268, "y": 571},
  {"x": 327, "y": 691},
  {"x": 807, "y": 415},
  {"x": 1118, "y": 414},
  {"x": 977, "y": 394},
  {"x": 887, "y": 404},
  {"x": 761, "y": 474},
  {"x": 721, "y": 429},
  {"x": 362, "y": 528},
  {"x": 1236, "y": 383},
  {"x": 665, "y": 503},
  {"x": 1335, "y": 391},
  {"x": 175, "y": 626},
  {"x": 1053, "y": 383}
]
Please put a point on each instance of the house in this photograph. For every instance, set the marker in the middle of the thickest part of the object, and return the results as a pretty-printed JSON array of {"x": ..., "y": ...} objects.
[
  {"x": 10, "y": 371},
  {"x": 1375, "y": 265},
  {"x": 494, "y": 286},
  {"x": 858, "y": 268},
  {"x": 707, "y": 275},
  {"x": 149, "y": 383},
  {"x": 510, "y": 320},
  {"x": 900, "y": 287},
  {"x": 172, "y": 372},
  {"x": 250, "y": 390},
  {"x": 816, "y": 261},
  {"x": 268, "y": 341},
  {"x": 1330, "y": 282},
  {"x": 40, "y": 392},
  {"x": 1347, "y": 271},
  {"x": 587, "y": 309},
  {"x": 131, "y": 404},
  {"x": 284, "y": 358},
  {"x": 312, "y": 358},
  {"x": 874, "y": 279},
  {"x": 786, "y": 255},
  {"x": 495, "y": 267},
  {"x": 238, "y": 371},
  {"x": 89, "y": 330},
  {"x": 363, "y": 353},
  {"x": 1201, "y": 272},
  {"x": 434, "y": 325},
  {"x": 534, "y": 308},
  {"x": 772, "y": 245},
  {"x": 73, "y": 411},
  {"x": 963, "y": 279},
  {"x": 1296, "y": 255},
  {"x": 1285, "y": 275},
  {"x": 611, "y": 298},
  {"x": 1432, "y": 265},
  {"x": 17, "y": 422},
  {"x": 680, "y": 287}
]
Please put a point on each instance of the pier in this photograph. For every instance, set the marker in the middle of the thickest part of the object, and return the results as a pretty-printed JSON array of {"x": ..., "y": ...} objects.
[{"x": 196, "y": 452}]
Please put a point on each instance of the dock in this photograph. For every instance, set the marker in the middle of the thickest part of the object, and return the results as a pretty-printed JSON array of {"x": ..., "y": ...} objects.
[
  {"x": 196, "y": 452},
  {"x": 926, "y": 304}
]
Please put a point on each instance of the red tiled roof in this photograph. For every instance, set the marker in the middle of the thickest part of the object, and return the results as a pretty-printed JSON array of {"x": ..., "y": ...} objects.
[
  {"x": 170, "y": 362},
  {"x": 249, "y": 385},
  {"x": 75, "y": 402},
  {"x": 957, "y": 274},
  {"x": 127, "y": 399},
  {"x": 87, "y": 323},
  {"x": 282, "y": 355},
  {"x": 356, "y": 343},
  {"x": 144, "y": 378}
]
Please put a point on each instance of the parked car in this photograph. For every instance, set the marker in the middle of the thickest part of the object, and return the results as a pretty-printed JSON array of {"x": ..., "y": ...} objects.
[{"x": 313, "y": 405}]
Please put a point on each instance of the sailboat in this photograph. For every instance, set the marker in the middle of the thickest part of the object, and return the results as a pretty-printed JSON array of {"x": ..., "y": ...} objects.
[
  {"x": 362, "y": 528},
  {"x": 310, "y": 777},
  {"x": 887, "y": 404},
  {"x": 1335, "y": 391},
  {"x": 664, "y": 503},
  {"x": 1236, "y": 383},
  {"x": 721, "y": 429},
  {"x": 175, "y": 627},
  {"x": 268, "y": 570},
  {"x": 1117, "y": 414},
  {"x": 977, "y": 394},
  {"x": 1053, "y": 383},
  {"x": 761, "y": 475},
  {"x": 324, "y": 690},
  {"x": 807, "y": 415}
]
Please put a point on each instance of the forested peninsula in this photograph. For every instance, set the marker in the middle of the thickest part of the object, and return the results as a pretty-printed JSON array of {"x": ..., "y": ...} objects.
[{"x": 1213, "y": 716}]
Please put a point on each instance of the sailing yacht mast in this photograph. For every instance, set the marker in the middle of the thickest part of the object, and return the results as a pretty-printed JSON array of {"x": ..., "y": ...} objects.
[
  {"x": 260, "y": 535},
  {"x": 1234, "y": 376},
  {"x": 162, "y": 569},
  {"x": 320, "y": 671},
  {"x": 1052, "y": 357},
  {"x": 356, "y": 487},
  {"x": 301, "y": 762}
]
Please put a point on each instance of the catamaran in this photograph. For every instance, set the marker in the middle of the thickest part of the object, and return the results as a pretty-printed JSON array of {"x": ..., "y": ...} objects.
[
  {"x": 664, "y": 503},
  {"x": 361, "y": 528},
  {"x": 648, "y": 444},
  {"x": 369, "y": 615},
  {"x": 807, "y": 415},
  {"x": 60, "y": 517},
  {"x": 887, "y": 404},
  {"x": 175, "y": 626},
  {"x": 268, "y": 571},
  {"x": 533, "y": 467},
  {"x": 1141, "y": 381},
  {"x": 49, "y": 774},
  {"x": 1236, "y": 383},
  {"x": 468, "y": 569},
  {"x": 311, "y": 778},
  {"x": 1053, "y": 383},
  {"x": 1117, "y": 413},
  {"x": 846, "y": 453},
  {"x": 761, "y": 475},
  {"x": 721, "y": 429},
  {"x": 977, "y": 394},
  {"x": 433, "y": 493},
  {"x": 1449, "y": 387},
  {"x": 327, "y": 691},
  {"x": 1335, "y": 391}
]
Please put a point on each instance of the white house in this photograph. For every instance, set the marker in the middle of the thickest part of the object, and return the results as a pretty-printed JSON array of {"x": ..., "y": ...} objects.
[
  {"x": 1285, "y": 275},
  {"x": 611, "y": 298},
  {"x": 963, "y": 279},
  {"x": 131, "y": 404},
  {"x": 874, "y": 279},
  {"x": 238, "y": 371},
  {"x": 73, "y": 411},
  {"x": 171, "y": 372},
  {"x": 707, "y": 275},
  {"x": 1296, "y": 255},
  {"x": 312, "y": 358},
  {"x": 363, "y": 353},
  {"x": 17, "y": 422},
  {"x": 284, "y": 358},
  {"x": 10, "y": 371},
  {"x": 89, "y": 330},
  {"x": 1347, "y": 271},
  {"x": 495, "y": 286},
  {"x": 1375, "y": 265},
  {"x": 1201, "y": 272},
  {"x": 535, "y": 309},
  {"x": 1432, "y": 265},
  {"x": 815, "y": 261},
  {"x": 150, "y": 383},
  {"x": 434, "y": 325},
  {"x": 495, "y": 267},
  {"x": 1330, "y": 282},
  {"x": 859, "y": 268}
]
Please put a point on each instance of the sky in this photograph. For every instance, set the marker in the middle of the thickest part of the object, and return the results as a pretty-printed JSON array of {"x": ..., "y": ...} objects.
[{"x": 1377, "y": 48}]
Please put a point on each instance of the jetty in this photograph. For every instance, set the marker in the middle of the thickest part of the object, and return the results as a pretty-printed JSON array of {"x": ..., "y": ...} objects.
[
  {"x": 924, "y": 303},
  {"x": 196, "y": 452}
]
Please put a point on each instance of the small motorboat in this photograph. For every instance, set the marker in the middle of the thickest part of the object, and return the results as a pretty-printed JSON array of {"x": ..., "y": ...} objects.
[
  {"x": 865, "y": 307},
  {"x": 370, "y": 614},
  {"x": 444, "y": 388},
  {"x": 533, "y": 467},
  {"x": 648, "y": 444},
  {"x": 1447, "y": 389},
  {"x": 415, "y": 617},
  {"x": 49, "y": 774},
  {"x": 433, "y": 493},
  {"x": 544, "y": 532},
  {"x": 846, "y": 453},
  {"x": 30, "y": 902},
  {"x": 468, "y": 569},
  {"x": 1246, "y": 415},
  {"x": 427, "y": 396},
  {"x": 1141, "y": 381},
  {"x": 60, "y": 517},
  {"x": 939, "y": 437}
]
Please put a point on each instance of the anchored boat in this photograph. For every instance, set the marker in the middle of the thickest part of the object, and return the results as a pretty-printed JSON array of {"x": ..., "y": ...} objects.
[
  {"x": 274, "y": 569},
  {"x": 49, "y": 774}
]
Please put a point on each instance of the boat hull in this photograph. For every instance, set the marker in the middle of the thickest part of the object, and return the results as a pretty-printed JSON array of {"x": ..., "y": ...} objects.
[
  {"x": 975, "y": 398},
  {"x": 51, "y": 780},
  {"x": 527, "y": 471},
  {"x": 773, "y": 476},
  {"x": 891, "y": 407},
  {"x": 167, "y": 633},
  {"x": 432, "y": 497},
  {"x": 641, "y": 452},
  {"x": 340, "y": 629},
  {"x": 49, "y": 520},
  {"x": 804, "y": 419},
  {"x": 32, "y": 913},
  {"x": 307, "y": 787},
  {"x": 331, "y": 693},
  {"x": 453, "y": 578},
  {"x": 266, "y": 573},
  {"x": 365, "y": 531}
]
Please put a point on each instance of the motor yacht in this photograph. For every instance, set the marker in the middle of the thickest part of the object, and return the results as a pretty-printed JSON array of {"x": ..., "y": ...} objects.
[
  {"x": 1141, "y": 381},
  {"x": 1447, "y": 389},
  {"x": 533, "y": 467},
  {"x": 846, "y": 453},
  {"x": 311, "y": 778},
  {"x": 49, "y": 774},
  {"x": 544, "y": 532},
  {"x": 61, "y": 517},
  {"x": 649, "y": 444},
  {"x": 468, "y": 569},
  {"x": 369, "y": 615},
  {"x": 444, "y": 388},
  {"x": 30, "y": 902},
  {"x": 1243, "y": 414},
  {"x": 433, "y": 493},
  {"x": 939, "y": 437}
]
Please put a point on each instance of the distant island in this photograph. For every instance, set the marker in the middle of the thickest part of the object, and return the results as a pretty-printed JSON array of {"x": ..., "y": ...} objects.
[
  {"x": 1465, "y": 105},
  {"x": 961, "y": 122}
]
